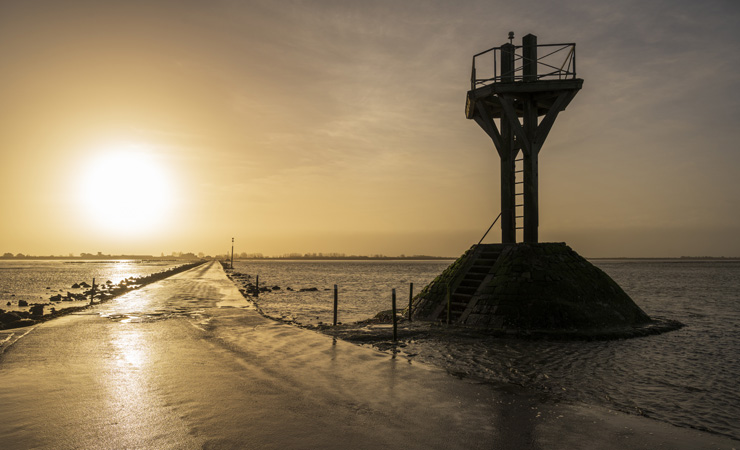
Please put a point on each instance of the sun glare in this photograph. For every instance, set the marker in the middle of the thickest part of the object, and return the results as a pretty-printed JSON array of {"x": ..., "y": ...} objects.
[{"x": 125, "y": 190}]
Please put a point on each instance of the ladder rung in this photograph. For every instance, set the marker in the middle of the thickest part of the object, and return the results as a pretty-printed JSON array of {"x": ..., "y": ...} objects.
[
  {"x": 522, "y": 159},
  {"x": 519, "y": 171},
  {"x": 519, "y": 228},
  {"x": 519, "y": 182},
  {"x": 519, "y": 217},
  {"x": 520, "y": 193},
  {"x": 516, "y": 206}
]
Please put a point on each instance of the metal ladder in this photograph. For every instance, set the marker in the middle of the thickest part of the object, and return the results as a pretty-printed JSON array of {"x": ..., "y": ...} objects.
[{"x": 519, "y": 198}]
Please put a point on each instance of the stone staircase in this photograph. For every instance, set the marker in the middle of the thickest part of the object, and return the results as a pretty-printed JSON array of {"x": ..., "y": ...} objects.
[{"x": 463, "y": 293}]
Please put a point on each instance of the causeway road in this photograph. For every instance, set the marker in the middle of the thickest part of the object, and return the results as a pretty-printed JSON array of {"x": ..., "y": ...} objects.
[{"x": 188, "y": 363}]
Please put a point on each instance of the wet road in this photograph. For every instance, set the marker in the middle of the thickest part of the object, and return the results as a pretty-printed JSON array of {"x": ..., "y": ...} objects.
[{"x": 186, "y": 363}]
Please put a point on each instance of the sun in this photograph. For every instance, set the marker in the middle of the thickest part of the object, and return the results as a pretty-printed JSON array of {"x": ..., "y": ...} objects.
[{"x": 126, "y": 190}]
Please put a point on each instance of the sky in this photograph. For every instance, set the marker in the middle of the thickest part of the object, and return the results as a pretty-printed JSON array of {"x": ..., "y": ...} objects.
[{"x": 148, "y": 127}]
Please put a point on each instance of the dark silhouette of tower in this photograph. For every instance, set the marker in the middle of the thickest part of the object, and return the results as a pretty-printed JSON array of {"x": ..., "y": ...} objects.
[{"x": 532, "y": 82}]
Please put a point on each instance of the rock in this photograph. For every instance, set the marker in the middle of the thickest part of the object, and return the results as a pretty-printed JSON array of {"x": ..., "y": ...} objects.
[
  {"x": 22, "y": 303},
  {"x": 75, "y": 286},
  {"x": 21, "y": 323},
  {"x": 84, "y": 285},
  {"x": 37, "y": 310},
  {"x": 276, "y": 288},
  {"x": 311, "y": 289},
  {"x": 8, "y": 317}
]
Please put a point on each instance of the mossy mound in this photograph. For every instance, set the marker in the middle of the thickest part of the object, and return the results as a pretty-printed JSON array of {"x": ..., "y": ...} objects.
[{"x": 529, "y": 287}]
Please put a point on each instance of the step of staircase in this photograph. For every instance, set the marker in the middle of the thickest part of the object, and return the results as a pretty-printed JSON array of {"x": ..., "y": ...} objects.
[{"x": 463, "y": 293}]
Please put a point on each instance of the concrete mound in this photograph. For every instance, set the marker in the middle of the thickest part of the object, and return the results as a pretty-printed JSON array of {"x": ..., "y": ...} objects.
[{"x": 529, "y": 288}]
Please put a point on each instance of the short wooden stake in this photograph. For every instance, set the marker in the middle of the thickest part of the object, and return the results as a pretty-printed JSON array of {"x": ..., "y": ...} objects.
[
  {"x": 411, "y": 298},
  {"x": 393, "y": 308},
  {"x": 92, "y": 292},
  {"x": 336, "y": 301}
]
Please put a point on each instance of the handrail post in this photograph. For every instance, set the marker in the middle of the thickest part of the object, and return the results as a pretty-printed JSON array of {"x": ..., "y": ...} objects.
[
  {"x": 495, "y": 65},
  {"x": 574, "y": 60}
]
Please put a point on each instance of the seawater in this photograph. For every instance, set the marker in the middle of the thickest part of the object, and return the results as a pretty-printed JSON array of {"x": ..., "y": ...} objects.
[
  {"x": 364, "y": 287},
  {"x": 687, "y": 377},
  {"x": 36, "y": 280}
]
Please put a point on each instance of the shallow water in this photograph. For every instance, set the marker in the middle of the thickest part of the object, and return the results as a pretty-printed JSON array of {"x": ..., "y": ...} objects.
[
  {"x": 364, "y": 287},
  {"x": 686, "y": 377},
  {"x": 36, "y": 280}
]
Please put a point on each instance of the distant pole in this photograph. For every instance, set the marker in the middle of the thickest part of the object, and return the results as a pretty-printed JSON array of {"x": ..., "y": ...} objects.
[
  {"x": 393, "y": 307},
  {"x": 92, "y": 292},
  {"x": 449, "y": 300},
  {"x": 336, "y": 301},
  {"x": 232, "y": 253},
  {"x": 411, "y": 298}
]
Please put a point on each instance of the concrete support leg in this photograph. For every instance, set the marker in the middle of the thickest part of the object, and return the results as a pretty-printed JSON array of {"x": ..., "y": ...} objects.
[{"x": 531, "y": 184}]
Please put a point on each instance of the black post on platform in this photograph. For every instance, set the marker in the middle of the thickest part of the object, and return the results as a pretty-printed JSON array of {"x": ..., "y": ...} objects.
[
  {"x": 393, "y": 312},
  {"x": 336, "y": 301}
]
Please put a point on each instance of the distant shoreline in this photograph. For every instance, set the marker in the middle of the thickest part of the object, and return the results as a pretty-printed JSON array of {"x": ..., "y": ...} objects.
[
  {"x": 679, "y": 258},
  {"x": 98, "y": 258},
  {"x": 319, "y": 257},
  {"x": 221, "y": 257}
]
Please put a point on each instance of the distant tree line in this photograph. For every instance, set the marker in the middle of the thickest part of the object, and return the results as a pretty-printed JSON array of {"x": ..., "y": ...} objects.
[
  {"x": 331, "y": 256},
  {"x": 101, "y": 256}
]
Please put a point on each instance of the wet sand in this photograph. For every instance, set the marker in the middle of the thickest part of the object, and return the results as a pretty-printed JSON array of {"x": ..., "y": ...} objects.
[{"x": 187, "y": 363}]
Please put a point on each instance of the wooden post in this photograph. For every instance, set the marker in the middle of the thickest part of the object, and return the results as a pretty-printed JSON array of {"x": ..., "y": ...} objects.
[
  {"x": 92, "y": 292},
  {"x": 393, "y": 308},
  {"x": 411, "y": 298},
  {"x": 336, "y": 301}
]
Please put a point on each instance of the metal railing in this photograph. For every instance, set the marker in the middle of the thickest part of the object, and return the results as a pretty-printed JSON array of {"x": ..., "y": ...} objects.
[{"x": 558, "y": 62}]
